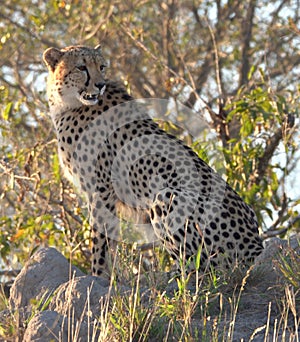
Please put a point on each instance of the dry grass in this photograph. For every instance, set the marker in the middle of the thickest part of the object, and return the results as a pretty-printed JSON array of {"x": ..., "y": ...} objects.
[{"x": 209, "y": 307}]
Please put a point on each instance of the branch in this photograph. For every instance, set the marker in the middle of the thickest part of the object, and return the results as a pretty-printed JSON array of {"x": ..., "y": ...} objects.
[
  {"x": 141, "y": 46},
  {"x": 272, "y": 145},
  {"x": 271, "y": 232},
  {"x": 98, "y": 26},
  {"x": 246, "y": 39},
  {"x": 217, "y": 64},
  {"x": 11, "y": 273}
]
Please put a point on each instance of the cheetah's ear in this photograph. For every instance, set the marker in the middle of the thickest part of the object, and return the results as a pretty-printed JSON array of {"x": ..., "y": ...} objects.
[{"x": 51, "y": 57}]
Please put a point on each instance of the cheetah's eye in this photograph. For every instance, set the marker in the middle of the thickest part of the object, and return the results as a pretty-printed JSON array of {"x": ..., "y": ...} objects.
[
  {"x": 102, "y": 67},
  {"x": 81, "y": 67}
]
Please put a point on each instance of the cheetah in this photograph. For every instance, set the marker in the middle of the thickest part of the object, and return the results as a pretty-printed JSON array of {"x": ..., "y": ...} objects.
[{"x": 116, "y": 153}]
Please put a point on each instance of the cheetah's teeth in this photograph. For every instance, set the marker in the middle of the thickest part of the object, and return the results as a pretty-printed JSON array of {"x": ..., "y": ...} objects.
[{"x": 88, "y": 100}]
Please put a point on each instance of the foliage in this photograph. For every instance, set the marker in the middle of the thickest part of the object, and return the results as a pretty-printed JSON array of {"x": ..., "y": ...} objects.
[
  {"x": 237, "y": 62},
  {"x": 289, "y": 266}
]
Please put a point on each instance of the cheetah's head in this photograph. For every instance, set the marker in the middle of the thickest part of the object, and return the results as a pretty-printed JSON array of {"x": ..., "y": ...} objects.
[{"x": 76, "y": 76}]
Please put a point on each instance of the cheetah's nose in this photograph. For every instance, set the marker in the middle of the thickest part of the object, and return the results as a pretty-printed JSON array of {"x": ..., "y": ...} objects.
[{"x": 101, "y": 86}]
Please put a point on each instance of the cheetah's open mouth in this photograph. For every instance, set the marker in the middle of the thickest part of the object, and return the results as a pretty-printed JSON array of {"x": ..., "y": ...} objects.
[{"x": 90, "y": 99}]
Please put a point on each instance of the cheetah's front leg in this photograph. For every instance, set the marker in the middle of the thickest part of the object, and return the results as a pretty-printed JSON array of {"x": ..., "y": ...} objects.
[{"x": 105, "y": 230}]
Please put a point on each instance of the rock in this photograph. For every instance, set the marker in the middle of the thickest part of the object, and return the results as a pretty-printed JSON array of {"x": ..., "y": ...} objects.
[
  {"x": 43, "y": 273},
  {"x": 79, "y": 297},
  {"x": 74, "y": 299},
  {"x": 49, "y": 326},
  {"x": 46, "y": 326}
]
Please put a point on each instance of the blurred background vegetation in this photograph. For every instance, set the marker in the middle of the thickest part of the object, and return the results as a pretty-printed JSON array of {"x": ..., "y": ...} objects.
[{"x": 236, "y": 61}]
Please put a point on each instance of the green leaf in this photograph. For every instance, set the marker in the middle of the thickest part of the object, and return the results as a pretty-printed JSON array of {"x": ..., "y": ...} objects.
[
  {"x": 251, "y": 72},
  {"x": 56, "y": 167},
  {"x": 7, "y": 111}
]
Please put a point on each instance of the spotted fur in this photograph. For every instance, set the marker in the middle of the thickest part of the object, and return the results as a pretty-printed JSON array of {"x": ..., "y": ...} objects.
[{"x": 117, "y": 153}]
